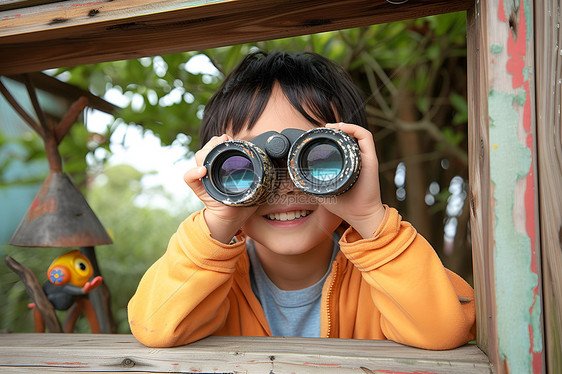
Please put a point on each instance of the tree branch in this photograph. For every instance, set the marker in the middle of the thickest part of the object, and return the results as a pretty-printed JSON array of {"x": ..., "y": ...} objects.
[
  {"x": 380, "y": 72},
  {"x": 37, "y": 294},
  {"x": 375, "y": 92},
  {"x": 429, "y": 127},
  {"x": 33, "y": 97},
  {"x": 23, "y": 114},
  {"x": 70, "y": 118}
]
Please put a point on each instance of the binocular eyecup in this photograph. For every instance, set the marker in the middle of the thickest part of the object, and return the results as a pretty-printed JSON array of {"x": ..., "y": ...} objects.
[{"x": 320, "y": 162}]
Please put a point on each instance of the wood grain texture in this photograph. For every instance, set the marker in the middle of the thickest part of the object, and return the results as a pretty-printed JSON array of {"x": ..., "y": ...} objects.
[
  {"x": 14, "y": 4},
  {"x": 548, "y": 41},
  {"x": 122, "y": 353},
  {"x": 503, "y": 184},
  {"x": 480, "y": 188},
  {"x": 78, "y": 32}
]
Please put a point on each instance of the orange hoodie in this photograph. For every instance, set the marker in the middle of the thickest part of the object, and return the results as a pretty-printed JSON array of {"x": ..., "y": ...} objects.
[{"x": 391, "y": 286}]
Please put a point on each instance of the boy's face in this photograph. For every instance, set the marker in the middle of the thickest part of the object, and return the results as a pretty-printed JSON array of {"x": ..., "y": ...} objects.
[{"x": 292, "y": 222}]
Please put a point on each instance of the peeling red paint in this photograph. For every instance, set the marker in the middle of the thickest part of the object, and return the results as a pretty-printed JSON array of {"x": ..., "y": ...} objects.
[
  {"x": 6, "y": 18},
  {"x": 320, "y": 364},
  {"x": 517, "y": 50},
  {"x": 39, "y": 207},
  {"x": 501, "y": 12}
]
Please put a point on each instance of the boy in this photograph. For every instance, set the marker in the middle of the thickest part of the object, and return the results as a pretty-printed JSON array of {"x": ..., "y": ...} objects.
[{"x": 289, "y": 271}]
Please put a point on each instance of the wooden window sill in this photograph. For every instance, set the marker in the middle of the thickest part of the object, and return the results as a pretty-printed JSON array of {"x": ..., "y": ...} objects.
[{"x": 123, "y": 353}]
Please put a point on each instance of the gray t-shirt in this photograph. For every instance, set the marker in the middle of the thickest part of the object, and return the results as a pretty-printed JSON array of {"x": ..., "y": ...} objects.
[{"x": 289, "y": 313}]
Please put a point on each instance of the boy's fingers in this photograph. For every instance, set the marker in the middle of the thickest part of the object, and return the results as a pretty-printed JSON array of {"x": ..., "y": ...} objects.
[
  {"x": 193, "y": 179},
  {"x": 363, "y": 136},
  {"x": 194, "y": 174},
  {"x": 202, "y": 153}
]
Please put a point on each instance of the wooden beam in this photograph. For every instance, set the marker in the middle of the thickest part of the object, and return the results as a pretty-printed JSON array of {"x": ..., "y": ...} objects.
[
  {"x": 76, "y": 32},
  {"x": 14, "y": 4},
  {"x": 119, "y": 353},
  {"x": 503, "y": 184},
  {"x": 548, "y": 15}
]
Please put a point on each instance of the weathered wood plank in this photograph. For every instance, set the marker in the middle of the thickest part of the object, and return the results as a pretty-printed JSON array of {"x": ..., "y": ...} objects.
[
  {"x": 14, "y": 4},
  {"x": 481, "y": 190},
  {"x": 548, "y": 41},
  {"x": 116, "y": 353},
  {"x": 78, "y": 32},
  {"x": 504, "y": 197}
]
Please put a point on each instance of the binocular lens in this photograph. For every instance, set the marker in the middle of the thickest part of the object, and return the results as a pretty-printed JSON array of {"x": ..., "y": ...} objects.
[
  {"x": 236, "y": 174},
  {"x": 239, "y": 174},
  {"x": 329, "y": 162},
  {"x": 322, "y": 161}
]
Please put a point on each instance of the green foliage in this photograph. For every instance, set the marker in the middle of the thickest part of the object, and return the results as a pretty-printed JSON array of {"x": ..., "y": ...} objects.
[
  {"x": 422, "y": 60},
  {"x": 16, "y": 152},
  {"x": 459, "y": 104},
  {"x": 167, "y": 99},
  {"x": 73, "y": 151},
  {"x": 140, "y": 235}
]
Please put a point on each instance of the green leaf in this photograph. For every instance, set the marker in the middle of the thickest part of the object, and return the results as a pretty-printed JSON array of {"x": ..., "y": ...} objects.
[{"x": 460, "y": 104}]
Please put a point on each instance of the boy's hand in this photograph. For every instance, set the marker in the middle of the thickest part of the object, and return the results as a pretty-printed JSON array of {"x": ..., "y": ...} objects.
[
  {"x": 361, "y": 206},
  {"x": 223, "y": 221}
]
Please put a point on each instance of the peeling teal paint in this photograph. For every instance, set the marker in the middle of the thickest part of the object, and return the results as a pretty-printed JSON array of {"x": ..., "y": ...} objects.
[
  {"x": 526, "y": 71},
  {"x": 496, "y": 48},
  {"x": 510, "y": 160},
  {"x": 537, "y": 326},
  {"x": 520, "y": 98}
]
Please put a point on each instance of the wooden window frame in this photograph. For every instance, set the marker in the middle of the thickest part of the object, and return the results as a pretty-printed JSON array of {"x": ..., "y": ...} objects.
[{"x": 514, "y": 52}]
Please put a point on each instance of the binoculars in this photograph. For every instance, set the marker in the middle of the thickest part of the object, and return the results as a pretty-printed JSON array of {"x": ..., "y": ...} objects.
[{"x": 320, "y": 162}]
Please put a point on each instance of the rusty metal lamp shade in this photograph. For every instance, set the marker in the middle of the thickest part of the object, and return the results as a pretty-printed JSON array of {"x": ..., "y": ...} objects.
[{"x": 59, "y": 217}]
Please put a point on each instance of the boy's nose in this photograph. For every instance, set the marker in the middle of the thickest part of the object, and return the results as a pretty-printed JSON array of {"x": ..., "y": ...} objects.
[
  {"x": 286, "y": 185},
  {"x": 285, "y": 182}
]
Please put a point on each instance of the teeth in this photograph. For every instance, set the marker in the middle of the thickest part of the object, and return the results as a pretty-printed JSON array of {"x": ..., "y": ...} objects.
[{"x": 288, "y": 216}]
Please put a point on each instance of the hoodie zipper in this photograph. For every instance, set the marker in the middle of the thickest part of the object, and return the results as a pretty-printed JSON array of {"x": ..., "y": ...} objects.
[{"x": 329, "y": 298}]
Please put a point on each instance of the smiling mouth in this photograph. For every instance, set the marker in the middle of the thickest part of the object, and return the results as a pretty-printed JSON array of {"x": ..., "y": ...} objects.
[{"x": 288, "y": 216}]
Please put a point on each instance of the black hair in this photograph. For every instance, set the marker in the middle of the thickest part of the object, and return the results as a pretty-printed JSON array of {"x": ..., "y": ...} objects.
[{"x": 321, "y": 90}]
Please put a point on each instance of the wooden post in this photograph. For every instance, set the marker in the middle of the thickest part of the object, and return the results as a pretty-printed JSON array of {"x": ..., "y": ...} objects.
[
  {"x": 503, "y": 198},
  {"x": 548, "y": 39}
]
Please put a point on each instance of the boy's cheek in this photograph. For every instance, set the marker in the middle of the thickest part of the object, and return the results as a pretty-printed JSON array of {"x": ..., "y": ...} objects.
[{"x": 328, "y": 220}]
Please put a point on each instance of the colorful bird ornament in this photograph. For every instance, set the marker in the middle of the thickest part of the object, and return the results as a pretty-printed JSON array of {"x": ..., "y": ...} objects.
[{"x": 68, "y": 283}]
